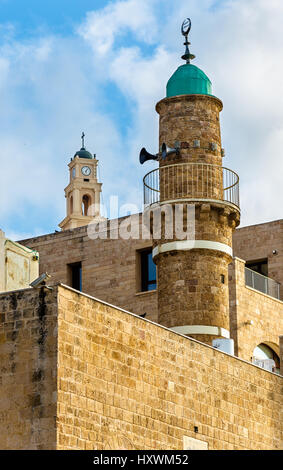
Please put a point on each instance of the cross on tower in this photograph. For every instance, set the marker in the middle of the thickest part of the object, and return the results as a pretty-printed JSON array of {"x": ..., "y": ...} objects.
[{"x": 83, "y": 140}]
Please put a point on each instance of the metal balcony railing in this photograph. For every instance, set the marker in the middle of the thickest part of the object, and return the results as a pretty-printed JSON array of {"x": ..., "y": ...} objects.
[
  {"x": 192, "y": 181},
  {"x": 262, "y": 283}
]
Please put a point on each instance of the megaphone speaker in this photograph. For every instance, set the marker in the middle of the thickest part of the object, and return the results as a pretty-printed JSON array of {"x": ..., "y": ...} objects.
[
  {"x": 145, "y": 156},
  {"x": 165, "y": 150}
]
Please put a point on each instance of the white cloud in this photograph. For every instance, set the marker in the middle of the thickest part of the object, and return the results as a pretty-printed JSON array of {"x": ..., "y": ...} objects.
[
  {"x": 47, "y": 97},
  {"x": 102, "y": 27}
]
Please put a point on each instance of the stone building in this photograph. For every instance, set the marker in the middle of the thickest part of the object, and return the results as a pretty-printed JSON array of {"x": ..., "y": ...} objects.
[
  {"x": 159, "y": 341},
  {"x": 19, "y": 265}
]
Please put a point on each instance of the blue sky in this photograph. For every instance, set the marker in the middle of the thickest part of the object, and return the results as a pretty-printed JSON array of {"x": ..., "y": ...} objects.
[
  {"x": 57, "y": 16},
  {"x": 99, "y": 66}
]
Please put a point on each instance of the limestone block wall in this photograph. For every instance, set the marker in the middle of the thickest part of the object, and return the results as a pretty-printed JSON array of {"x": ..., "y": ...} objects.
[
  {"x": 109, "y": 266},
  {"x": 281, "y": 354},
  {"x": 200, "y": 298},
  {"x": 187, "y": 118},
  {"x": 193, "y": 285},
  {"x": 257, "y": 242},
  {"x": 127, "y": 383},
  {"x": 104, "y": 263},
  {"x": 250, "y": 306},
  {"x": 77, "y": 373},
  {"x": 28, "y": 353}
]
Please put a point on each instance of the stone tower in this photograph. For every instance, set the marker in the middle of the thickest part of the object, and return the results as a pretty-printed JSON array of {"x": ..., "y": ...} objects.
[
  {"x": 193, "y": 273},
  {"x": 83, "y": 191}
]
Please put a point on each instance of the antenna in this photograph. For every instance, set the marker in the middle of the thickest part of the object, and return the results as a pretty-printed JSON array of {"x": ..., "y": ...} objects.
[{"x": 185, "y": 29}]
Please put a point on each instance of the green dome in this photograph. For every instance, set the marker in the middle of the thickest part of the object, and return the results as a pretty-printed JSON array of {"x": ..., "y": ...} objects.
[
  {"x": 188, "y": 80},
  {"x": 83, "y": 153}
]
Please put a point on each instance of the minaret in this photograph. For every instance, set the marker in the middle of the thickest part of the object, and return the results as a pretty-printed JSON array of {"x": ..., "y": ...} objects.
[
  {"x": 83, "y": 191},
  {"x": 192, "y": 275}
]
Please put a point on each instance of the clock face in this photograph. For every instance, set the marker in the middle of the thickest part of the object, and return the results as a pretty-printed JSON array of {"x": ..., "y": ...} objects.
[{"x": 86, "y": 171}]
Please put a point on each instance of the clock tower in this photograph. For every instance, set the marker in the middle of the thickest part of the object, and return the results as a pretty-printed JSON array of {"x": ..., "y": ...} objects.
[{"x": 83, "y": 191}]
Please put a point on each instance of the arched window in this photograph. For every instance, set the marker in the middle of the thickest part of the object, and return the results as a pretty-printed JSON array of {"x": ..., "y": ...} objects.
[
  {"x": 71, "y": 204},
  {"x": 85, "y": 204},
  {"x": 265, "y": 357}
]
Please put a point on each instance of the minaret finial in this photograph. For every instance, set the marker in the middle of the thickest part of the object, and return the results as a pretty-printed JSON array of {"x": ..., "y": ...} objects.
[
  {"x": 185, "y": 29},
  {"x": 83, "y": 140}
]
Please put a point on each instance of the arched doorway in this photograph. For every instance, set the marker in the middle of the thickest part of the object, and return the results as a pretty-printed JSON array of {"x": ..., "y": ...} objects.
[{"x": 266, "y": 357}]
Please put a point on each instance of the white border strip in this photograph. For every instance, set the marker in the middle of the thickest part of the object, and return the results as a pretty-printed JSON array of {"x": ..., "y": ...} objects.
[
  {"x": 201, "y": 330},
  {"x": 190, "y": 245}
]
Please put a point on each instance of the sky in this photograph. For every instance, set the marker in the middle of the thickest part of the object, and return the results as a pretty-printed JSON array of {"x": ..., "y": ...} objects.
[{"x": 68, "y": 66}]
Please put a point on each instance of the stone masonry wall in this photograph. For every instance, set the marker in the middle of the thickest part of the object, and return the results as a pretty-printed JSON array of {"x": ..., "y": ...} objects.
[
  {"x": 126, "y": 383},
  {"x": 28, "y": 353},
  {"x": 191, "y": 291},
  {"x": 109, "y": 266},
  {"x": 254, "y": 317},
  {"x": 257, "y": 242},
  {"x": 122, "y": 382},
  {"x": 281, "y": 354},
  {"x": 104, "y": 263},
  {"x": 188, "y": 118},
  {"x": 193, "y": 284}
]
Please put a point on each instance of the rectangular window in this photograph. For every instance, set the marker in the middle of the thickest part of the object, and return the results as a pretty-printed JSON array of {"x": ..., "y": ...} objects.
[
  {"x": 148, "y": 271},
  {"x": 260, "y": 266},
  {"x": 75, "y": 276}
]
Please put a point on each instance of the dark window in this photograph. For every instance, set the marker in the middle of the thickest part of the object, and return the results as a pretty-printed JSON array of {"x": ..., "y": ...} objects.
[
  {"x": 75, "y": 275},
  {"x": 86, "y": 202},
  {"x": 258, "y": 266},
  {"x": 148, "y": 271}
]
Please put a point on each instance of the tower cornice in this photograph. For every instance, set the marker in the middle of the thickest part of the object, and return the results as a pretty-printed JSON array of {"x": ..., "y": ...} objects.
[{"x": 187, "y": 98}]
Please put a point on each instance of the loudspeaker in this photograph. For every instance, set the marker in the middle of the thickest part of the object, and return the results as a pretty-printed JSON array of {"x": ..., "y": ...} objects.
[
  {"x": 165, "y": 151},
  {"x": 144, "y": 156}
]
